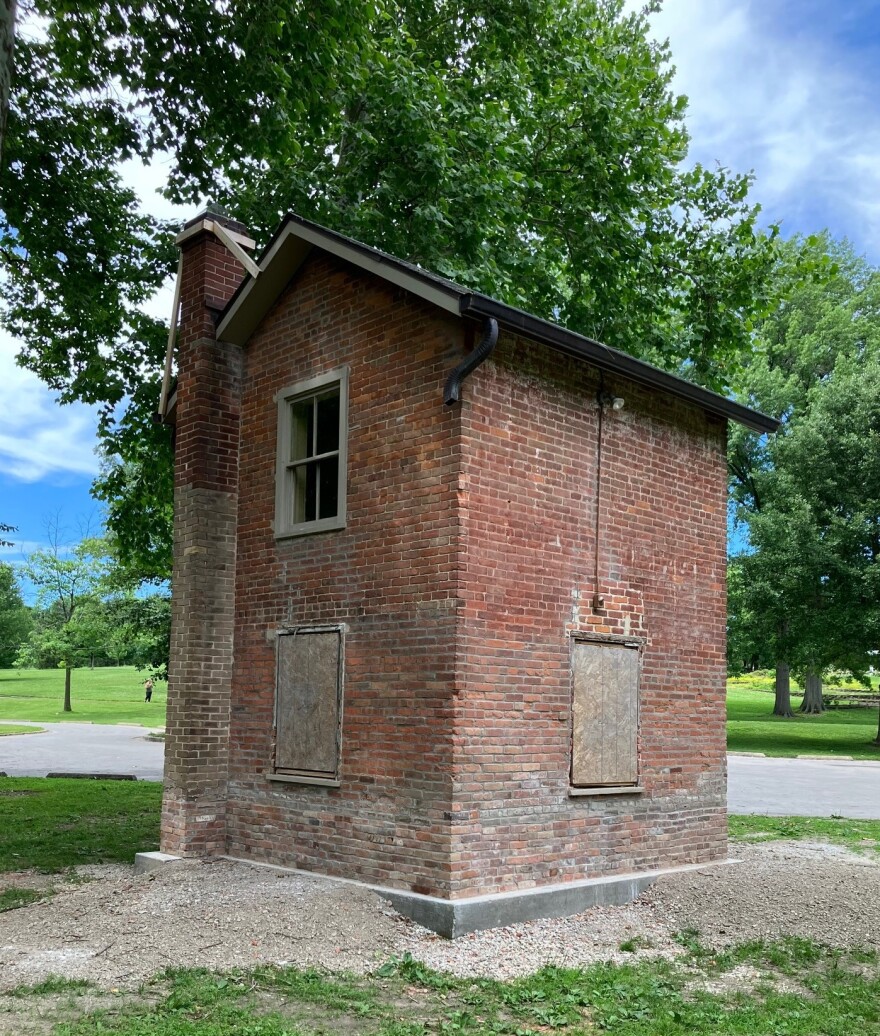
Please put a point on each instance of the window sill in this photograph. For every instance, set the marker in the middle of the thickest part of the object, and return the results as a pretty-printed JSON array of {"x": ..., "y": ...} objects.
[
  {"x": 309, "y": 528},
  {"x": 631, "y": 789},
  {"x": 293, "y": 778}
]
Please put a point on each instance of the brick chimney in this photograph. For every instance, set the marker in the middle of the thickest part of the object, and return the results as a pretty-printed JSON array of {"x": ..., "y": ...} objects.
[{"x": 205, "y": 514}]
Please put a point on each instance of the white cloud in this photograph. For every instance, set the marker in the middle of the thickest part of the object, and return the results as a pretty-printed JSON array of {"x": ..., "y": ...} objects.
[
  {"x": 147, "y": 182},
  {"x": 14, "y": 554},
  {"x": 794, "y": 104},
  {"x": 39, "y": 438}
]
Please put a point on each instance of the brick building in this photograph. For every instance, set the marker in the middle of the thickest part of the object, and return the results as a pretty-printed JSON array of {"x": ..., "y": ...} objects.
[{"x": 448, "y": 611}]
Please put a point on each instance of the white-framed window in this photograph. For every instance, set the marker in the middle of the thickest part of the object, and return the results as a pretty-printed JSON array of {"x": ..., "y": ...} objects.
[{"x": 310, "y": 478}]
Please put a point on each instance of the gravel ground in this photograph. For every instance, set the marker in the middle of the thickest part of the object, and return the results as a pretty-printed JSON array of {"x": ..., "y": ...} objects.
[{"x": 117, "y": 928}]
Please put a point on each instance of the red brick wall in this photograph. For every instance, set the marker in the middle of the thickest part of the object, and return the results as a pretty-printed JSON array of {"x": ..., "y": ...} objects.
[
  {"x": 389, "y": 576},
  {"x": 205, "y": 504},
  {"x": 467, "y": 561},
  {"x": 528, "y": 496}
]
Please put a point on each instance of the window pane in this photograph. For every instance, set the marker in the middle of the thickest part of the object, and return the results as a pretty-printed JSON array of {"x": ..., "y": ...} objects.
[
  {"x": 301, "y": 429},
  {"x": 305, "y": 482},
  {"x": 328, "y": 478},
  {"x": 328, "y": 423}
]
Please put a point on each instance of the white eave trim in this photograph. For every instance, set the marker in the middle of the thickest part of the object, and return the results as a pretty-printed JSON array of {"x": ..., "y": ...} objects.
[
  {"x": 447, "y": 300},
  {"x": 211, "y": 227}
]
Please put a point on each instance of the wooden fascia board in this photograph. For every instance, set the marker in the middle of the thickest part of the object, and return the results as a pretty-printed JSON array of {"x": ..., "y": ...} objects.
[{"x": 287, "y": 254}]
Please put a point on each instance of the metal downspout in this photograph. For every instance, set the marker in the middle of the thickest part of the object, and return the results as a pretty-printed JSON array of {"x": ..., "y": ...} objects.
[{"x": 452, "y": 389}]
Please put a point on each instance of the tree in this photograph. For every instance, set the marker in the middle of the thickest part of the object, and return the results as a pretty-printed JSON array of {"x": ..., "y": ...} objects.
[
  {"x": 7, "y": 42},
  {"x": 70, "y": 585},
  {"x": 810, "y": 590},
  {"x": 139, "y": 631},
  {"x": 15, "y": 618},
  {"x": 835, "y": 452},
  {"x": 531, "y": 150}
]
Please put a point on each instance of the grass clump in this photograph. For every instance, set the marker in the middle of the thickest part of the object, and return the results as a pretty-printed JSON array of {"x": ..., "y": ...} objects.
[
  {"x": 751, "y": 727},
  {"x": 52, "y": 986},
  {"x": 52, "y": 824},
  {"x": 13, "y": 898},
  {"x": 838, "y": 993},
  {"x": 107, "y": 695},
  {"x": 856, "y": 834}
]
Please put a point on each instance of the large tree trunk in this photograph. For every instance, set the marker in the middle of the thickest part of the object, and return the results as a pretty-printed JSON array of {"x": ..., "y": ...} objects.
[
  {"x": 782, "y": 705},
  {"x": 7, "y": 39},
  {"x": 812, "y": 703},
  {"x": 67, "y": 707}
]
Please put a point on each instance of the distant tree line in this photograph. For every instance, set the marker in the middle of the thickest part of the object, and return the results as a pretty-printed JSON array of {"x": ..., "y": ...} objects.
[
  {"x": 83, "y": 615},
  {"x": 804, "y": 589}
]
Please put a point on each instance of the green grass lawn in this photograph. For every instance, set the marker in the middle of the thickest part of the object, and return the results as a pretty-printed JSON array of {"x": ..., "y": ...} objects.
[
  {"x": 108, "y": 695},
  {"x": 860, "y": 835},
  {"x": 51, "y": 824},
  {"x": 751, "y": 727},
  {"x": 7, "y": 729}
]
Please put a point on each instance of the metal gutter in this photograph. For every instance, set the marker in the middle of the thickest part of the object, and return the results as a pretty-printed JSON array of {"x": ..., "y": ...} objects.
[
  {"x": 295, "y": 238},
  {"x": 614, "y": 361}
]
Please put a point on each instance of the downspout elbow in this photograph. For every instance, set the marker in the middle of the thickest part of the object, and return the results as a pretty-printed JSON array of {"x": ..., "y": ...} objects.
[{"x": 452, "y": 389}]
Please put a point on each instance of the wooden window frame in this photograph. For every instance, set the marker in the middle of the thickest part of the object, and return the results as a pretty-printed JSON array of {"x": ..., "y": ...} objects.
[
  {"x": 607, "y": 640},
  {"x": 285, "y": 465},
  {"x": 293, "y": 775}
]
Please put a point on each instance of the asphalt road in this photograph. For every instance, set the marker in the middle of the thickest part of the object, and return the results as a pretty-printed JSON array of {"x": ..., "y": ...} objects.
[
  {"x": 82, "y": 748},
  {"x": 803, "y": 787}
]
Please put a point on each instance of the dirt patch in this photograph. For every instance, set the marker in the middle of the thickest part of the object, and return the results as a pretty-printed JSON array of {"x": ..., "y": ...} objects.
[
  {"x": 39, "y": 1015},
  {"x": 120, "y": 928},
  {"x": 117, "y": 929},
  {"x": 745, "y": 978},
  {"x": 809, "y": 890}
]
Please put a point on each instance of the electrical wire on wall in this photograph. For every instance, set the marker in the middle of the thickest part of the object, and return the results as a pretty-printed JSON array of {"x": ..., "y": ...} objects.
[{"x": 604, "y": 400}]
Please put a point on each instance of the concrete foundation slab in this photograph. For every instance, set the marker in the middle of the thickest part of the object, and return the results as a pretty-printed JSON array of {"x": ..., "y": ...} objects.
[
  {"x": 453, "y": 918},
  {"x": 144, "y": 862}
]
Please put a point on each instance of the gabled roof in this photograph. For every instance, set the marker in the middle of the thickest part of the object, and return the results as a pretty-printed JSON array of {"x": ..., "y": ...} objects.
[{"x": 295, "y": 239}]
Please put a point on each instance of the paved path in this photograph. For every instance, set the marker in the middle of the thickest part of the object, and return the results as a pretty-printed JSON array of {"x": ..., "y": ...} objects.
[
  {"x": 803, "y": 787},
  {"x": 82, "y": 748}
]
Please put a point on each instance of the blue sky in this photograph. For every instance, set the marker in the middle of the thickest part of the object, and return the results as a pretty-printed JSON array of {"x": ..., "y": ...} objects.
[{"x": 787, "y": 88}]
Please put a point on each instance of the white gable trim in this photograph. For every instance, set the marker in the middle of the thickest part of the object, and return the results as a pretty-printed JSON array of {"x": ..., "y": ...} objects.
[{"x": 285, "y": 256}]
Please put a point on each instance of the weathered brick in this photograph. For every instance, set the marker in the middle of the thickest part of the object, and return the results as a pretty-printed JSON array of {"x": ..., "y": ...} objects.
[{"x": 467, "y": 562}]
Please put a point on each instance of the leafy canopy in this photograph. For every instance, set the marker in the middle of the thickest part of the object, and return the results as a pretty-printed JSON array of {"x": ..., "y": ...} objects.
[
  {"x": 530, "y": 149},
  {"x": 807, "y": 591},
  {"x": 70, "y": 585},
  {"x": 15, "y": 618}
]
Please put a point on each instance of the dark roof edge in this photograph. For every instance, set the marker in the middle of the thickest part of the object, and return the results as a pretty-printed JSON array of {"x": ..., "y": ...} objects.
[
  {"x": 473, "y": 304},
  {"x": 605, "y": 358}
]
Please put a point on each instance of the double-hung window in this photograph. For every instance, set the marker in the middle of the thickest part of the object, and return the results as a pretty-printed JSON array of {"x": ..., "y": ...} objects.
[{"x": 310, "y": 480}]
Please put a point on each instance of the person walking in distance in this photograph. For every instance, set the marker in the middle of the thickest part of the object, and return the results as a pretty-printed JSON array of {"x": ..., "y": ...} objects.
[{"x": 148, "y": 689}]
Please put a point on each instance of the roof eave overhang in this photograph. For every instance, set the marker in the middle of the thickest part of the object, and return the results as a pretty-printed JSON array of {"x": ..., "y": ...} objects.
[
  {"x": 613, "y": 361},
  {"x": 295, "y": 239},
  {"x": 287, "y": 252}
]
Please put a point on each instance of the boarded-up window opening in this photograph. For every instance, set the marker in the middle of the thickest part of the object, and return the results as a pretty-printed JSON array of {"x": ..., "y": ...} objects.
[
  {"x": 308, "y": 703},
  {"x": 605, "y": 714}
]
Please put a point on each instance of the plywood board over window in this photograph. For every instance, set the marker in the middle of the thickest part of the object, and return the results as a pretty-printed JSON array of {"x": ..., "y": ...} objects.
[
  {"x": 308, "y": 702},
  {"x": 605, "y": 714}
]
